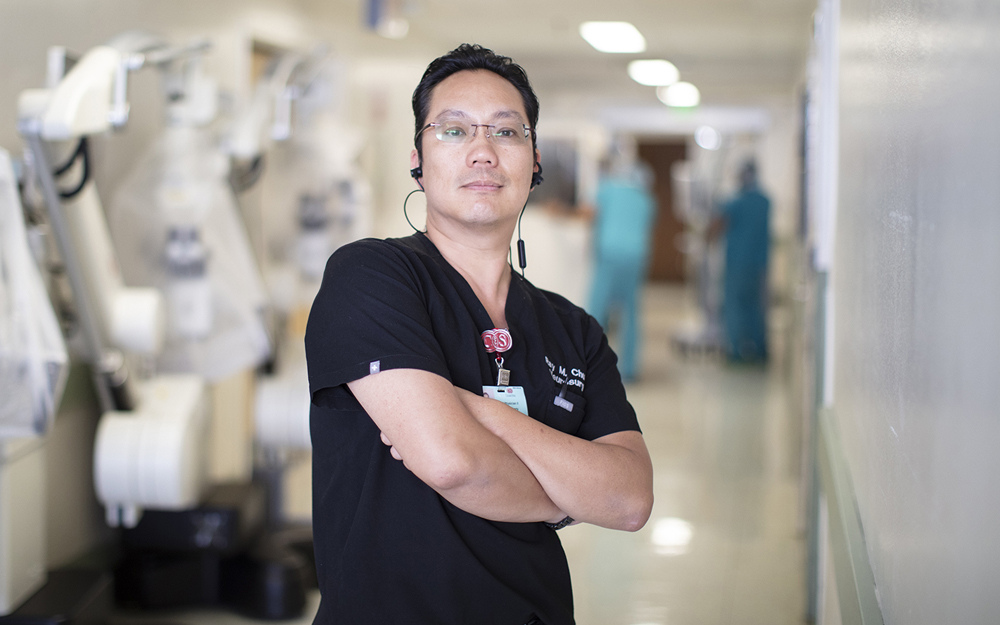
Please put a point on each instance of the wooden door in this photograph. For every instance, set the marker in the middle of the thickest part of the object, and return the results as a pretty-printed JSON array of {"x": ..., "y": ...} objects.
[{"x": 667, "y": 262}]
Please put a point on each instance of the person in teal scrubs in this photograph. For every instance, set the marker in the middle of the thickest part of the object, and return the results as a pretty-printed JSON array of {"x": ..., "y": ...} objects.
[
  {"x": 623, "y": 224},
  {"x": 745, "y": 219}
]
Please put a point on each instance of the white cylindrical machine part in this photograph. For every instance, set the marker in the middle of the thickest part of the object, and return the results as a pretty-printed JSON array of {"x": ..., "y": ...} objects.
[
  {"x": 117, "y": 437},
  {"x": 282, "y": 410},
  {"x": 154, "y": 457},
  {"x": 138, "y": 320},
  {"x": 141, "y": 314}
]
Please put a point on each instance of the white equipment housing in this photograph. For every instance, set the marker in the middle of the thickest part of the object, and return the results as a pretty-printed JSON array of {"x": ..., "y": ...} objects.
[
  {"x": 153, "y": 458},
  {"x": 281, "y": 414},
  {"x": 22, "y": 520},
  {"x": 150, "y": 456},
  {"x": 134, "y": 318}
]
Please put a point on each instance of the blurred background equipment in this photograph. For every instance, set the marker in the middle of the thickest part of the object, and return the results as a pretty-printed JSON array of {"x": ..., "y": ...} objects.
[
  {"x": 177, "y": 228},
  {"x": 147, "y": 451},
  {"x": 33, "y": 369},
  {"x": 33, "y": 358},
  {"x": 151, "y": 451}
]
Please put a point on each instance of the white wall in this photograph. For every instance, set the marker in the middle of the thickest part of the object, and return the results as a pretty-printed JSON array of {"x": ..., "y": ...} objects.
[{"x": 916, "y": 392}]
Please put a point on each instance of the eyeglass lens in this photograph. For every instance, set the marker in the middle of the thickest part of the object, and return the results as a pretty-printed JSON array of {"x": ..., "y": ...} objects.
[{"x": 502, "y": 134}]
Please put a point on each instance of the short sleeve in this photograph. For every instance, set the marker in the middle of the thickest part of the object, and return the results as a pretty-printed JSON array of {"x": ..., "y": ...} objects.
[
  {"x": 608, "y": 410},
  {"x": 370, "y": 315}
]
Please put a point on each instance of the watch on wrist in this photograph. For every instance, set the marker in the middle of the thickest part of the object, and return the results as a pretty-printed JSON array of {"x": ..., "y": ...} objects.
[{"x": 561, "y": 524}]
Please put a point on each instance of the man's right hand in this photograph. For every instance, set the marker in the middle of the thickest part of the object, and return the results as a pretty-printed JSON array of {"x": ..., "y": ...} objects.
[{"x": 388, "y": 443}]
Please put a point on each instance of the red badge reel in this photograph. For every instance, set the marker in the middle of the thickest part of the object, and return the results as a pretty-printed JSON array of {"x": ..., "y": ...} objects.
[{"x": 498, "y": 340}]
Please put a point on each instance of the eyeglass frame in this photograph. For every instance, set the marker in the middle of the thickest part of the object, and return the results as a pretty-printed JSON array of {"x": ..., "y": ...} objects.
[{"x": 529, "y": 132}]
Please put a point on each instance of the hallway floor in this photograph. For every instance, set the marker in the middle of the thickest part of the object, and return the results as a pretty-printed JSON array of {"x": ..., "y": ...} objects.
[{"x": 722, "y": 546}]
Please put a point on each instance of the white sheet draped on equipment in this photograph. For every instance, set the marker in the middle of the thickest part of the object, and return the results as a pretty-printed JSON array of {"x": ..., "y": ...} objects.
[
  {"x": 33, "y": 360},
  {"x": 178, "y": 194}
]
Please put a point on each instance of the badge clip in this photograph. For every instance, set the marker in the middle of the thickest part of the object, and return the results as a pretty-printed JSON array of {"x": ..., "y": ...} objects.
[{"x": 503, "y": 375}]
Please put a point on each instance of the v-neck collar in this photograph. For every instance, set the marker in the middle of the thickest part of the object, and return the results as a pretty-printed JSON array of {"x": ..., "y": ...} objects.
[{"x": 481, "y": 316}]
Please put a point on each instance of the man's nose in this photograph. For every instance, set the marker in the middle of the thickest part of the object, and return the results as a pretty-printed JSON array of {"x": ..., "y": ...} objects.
[{"x": 482, "y": 150}]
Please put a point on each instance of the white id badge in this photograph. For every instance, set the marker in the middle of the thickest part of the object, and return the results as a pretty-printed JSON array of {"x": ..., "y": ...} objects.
[{"x": 513, "y": 396}]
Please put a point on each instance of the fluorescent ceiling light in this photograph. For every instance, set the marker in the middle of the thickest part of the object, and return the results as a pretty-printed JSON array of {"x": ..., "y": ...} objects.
[
  {"x": 613, "y": 36},
  {"x": 679, "y": 94},
  {"x": 653, "y": 73}
]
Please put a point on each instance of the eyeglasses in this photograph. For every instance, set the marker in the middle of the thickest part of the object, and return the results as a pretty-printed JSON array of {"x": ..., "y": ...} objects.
[{"x": 457, "y": 132}]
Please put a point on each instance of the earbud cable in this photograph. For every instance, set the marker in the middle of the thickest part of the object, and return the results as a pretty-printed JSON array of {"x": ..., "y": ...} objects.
[
  {"x": 521, "y": 256},
  {"x": 404, "y": 209}
]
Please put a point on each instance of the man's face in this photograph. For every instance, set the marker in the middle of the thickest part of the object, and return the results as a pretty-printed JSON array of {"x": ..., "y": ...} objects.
[{"x": 479, "y": 182}]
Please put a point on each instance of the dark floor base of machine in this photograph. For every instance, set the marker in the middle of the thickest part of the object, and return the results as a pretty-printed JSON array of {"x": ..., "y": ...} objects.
[
  {"x": 263, "y": 582},
  {"x": 217, "y": 555},
  {"x": 69, "y": 597}
]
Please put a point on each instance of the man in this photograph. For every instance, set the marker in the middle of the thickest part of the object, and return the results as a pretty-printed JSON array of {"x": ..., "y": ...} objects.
[
  {"x": 623, "y": 226},
  {"x": 432, "y": 503},
  {"x": 745, "y": 219}
]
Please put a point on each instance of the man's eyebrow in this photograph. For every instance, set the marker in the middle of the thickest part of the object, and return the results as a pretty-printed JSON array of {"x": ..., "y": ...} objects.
[
  {"x": 508, "y": 114},
  {"x": 452, "y": 113}
]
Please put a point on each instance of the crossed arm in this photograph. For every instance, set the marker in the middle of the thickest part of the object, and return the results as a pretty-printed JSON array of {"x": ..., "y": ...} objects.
[{"x": 492, "y": 461}]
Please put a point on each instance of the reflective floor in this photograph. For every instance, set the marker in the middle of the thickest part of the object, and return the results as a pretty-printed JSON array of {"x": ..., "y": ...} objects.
[{"x": 723, "y": 544}]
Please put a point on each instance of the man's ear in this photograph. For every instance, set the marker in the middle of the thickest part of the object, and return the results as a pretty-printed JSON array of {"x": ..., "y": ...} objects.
[{"x": 416, "y": 171}]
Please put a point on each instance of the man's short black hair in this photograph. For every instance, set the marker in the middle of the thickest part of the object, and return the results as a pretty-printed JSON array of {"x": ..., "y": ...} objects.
[{"x": 471, "y": 57}]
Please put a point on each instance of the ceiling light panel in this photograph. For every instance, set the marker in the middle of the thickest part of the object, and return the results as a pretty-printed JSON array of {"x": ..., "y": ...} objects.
[
  {"x": 679, "y": 95},
  {"x": 653, "y": 73},
  {"x": 615, "y": 37}
]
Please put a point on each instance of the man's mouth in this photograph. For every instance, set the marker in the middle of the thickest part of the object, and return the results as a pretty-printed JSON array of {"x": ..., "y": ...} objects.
[{"x": 482, "y": 185}]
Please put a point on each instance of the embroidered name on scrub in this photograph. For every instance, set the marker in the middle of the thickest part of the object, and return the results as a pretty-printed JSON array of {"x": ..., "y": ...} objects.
[{"x": 513, "y": 396}]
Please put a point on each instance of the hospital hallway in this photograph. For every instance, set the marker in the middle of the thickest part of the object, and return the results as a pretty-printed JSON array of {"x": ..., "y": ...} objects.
[{"x": 723, "y": 545}]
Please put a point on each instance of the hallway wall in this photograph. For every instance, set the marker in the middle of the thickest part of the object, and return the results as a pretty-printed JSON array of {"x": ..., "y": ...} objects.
[{"x": 917, "y": 345}]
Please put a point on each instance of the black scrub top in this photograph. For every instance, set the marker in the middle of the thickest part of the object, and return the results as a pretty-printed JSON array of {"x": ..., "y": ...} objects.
[{"x": 389, "y": 549}]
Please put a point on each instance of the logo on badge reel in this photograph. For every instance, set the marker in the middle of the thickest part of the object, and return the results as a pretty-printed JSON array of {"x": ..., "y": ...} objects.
[{"x": 497, "y": 340}]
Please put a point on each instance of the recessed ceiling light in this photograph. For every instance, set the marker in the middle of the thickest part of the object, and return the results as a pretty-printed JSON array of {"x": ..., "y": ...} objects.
[
  {"x": 708, "y": 138},
  {"x": 679, "y": 94},
  {"x": 613, "y": 36},
  {"x": 653, "y": 73}
]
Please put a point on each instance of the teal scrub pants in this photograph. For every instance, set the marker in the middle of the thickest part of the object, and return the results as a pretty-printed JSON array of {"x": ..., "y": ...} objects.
[
  {"x": 615, "y": 290},
  {"x": 744, "y": 313}
]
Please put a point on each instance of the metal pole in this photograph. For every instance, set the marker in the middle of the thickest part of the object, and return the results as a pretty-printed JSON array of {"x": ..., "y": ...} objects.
[{"x": 93, "y": 338}]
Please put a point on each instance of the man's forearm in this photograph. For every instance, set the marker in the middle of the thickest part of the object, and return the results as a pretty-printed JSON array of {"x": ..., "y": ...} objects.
[
  {"x": 501, "y": 488},
  {"x": 607, "y": 482},
  {"x": 432, "y": 432}
]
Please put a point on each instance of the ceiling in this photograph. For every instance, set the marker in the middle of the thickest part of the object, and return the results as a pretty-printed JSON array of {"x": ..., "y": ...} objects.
[{"x": 738, "y": 52}]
